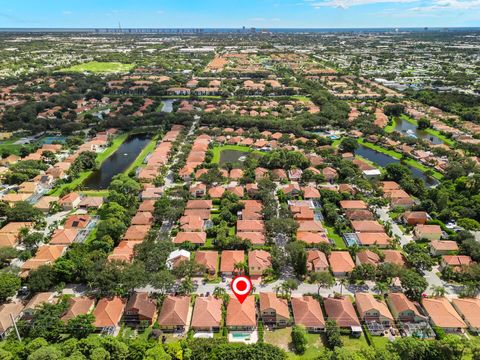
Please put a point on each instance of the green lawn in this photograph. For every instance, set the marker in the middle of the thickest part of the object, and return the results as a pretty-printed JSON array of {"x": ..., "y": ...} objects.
[
  {"x": 337, "y": 239},
  {"x": 159, "y": 107},
  {"x": 354, "y": 343},
  {"x": 304, "y": 99},
  {"x": 103, "y": 193},
  {"x": 380, "y": 342},
  {"x": 9, "y": 146},
  {"x": 336, "y": 143},
  {"x": 100, "y": 67},
  {"x": 218, "y": 149},
  {"x": 282, "y": 339},
  {"x": 390, "y": 128},
  {"x": 146, "y": 150}
]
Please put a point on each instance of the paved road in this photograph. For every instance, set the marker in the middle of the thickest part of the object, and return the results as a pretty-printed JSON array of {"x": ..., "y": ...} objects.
[
  {"x": 431, "y": 276},
  {"x": 169, "y": 178},
  {"x": 384, "y": 216}
]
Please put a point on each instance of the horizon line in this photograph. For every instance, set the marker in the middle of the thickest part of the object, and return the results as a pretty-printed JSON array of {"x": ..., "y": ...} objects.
[{"x": 245, "y": 27}]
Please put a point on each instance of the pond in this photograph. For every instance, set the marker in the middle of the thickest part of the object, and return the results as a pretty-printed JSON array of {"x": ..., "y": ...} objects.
[
  {"x": 407, "y": 128},
  {"x": 118, "y": 162},
  {"x": 168, "y": 105},
  {"x": 232, "y": 156},
  {"x": 383, "y": 160}
]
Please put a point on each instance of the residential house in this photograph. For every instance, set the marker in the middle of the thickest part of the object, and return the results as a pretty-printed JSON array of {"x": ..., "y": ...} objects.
[
  {"x": 241, "y": 316},
  {"x": 142, "y": 218},
  {"x": 368, "y": 226},
  {"x": 78, "y": 306},
  {"x": 176, "y": 257},
  {"x": 456, "y": 262},
  {"x": 365, "y": 257},
  {"x": 7, "y": 312},
  {"x": 228, "y": 260},
  {"x": 372, "y": 310},
  {"x": 342, "y": 311},
  {"x": 140, "y": 309},
  {"x": 429, "y": 232},
  {"x": 415, "y": 218},
  {"x": 46, "y": 255},
  {"x": 136, "y": 232},
  {"x": 259, "y": 261},
  {"x": 108, "y": 313},
  {"x": 194, "y": 237},
  {"x": 353, "y": 205},
  {"x": 317, "y": 261},
  {"x": 443, "y": 315},
  {"x": 273, "y": 310},
  {"x": 404, "y": 310},
  {"x": 70, "y": 201},
  {"x": 379, "y": 239},
  {"x": 44, "y": 204},
  {"x": 91, "y": 202},
  {"x": 207, "y": 314},
  {"x": 174, "y": 313},
  {"x": 341, "y": 263},
  {"x": 77, "y": 222},
  {"x": 443, "y": 247},
  {"x": 307, "y": 312},
  {"x": 469, "y": 310},
  {"x": 36, "y": 301}
]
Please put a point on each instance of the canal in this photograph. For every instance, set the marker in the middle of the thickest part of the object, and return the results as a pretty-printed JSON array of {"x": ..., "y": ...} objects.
[
  {"x": 118, "y": 162},
  {"x": 383, "y": 160}
]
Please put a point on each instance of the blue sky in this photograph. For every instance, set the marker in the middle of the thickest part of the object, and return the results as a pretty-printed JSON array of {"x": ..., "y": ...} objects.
[{"x": 238, "y": 13}]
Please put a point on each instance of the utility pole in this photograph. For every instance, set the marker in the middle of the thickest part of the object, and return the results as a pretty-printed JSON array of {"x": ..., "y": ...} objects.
[{"x": 16, "y": 329}]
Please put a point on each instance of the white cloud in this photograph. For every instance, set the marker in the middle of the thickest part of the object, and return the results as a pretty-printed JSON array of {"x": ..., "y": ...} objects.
[
  {"x": 448, "y": 5},
  {"x": 260, "y": 19},
  {"x": 345, "y": 4}
]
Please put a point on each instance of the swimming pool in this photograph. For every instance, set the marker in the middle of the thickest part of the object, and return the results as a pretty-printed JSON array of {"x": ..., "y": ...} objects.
[
  {"x": 241, "y": 336},
  {"x": 52, "y": 139}
]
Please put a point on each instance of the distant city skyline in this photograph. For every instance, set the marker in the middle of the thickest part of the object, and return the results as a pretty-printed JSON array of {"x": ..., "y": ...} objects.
[{"x": 239, "y": 13}]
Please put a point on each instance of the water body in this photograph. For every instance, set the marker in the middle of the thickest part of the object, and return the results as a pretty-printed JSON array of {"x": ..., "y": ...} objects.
[
  {"x": 167, "y": 105},
  {"x": 232, "y": 156},
  {"x": 118, "y": 162},
  {"x": 383, "y": 160},
  {"x": 407, "y": 128}
]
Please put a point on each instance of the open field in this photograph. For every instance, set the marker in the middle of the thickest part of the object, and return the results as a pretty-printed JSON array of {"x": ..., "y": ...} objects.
[{"x": 100, "y": 67}]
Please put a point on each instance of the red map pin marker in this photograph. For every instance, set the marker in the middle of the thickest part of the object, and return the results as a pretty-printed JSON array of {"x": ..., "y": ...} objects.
[{"x": 241, "y": 287}]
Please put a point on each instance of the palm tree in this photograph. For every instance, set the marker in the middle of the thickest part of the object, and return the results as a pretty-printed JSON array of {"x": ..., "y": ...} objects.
[
  {"x": 241, "y": 267},
  {"x": 323, "y": 280},
  {"x": 219, "y": 292},
  {"x": 342, "y": 282},
  {"x": 438, "y": 291},
  {"x": 381, "y": 287}
]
